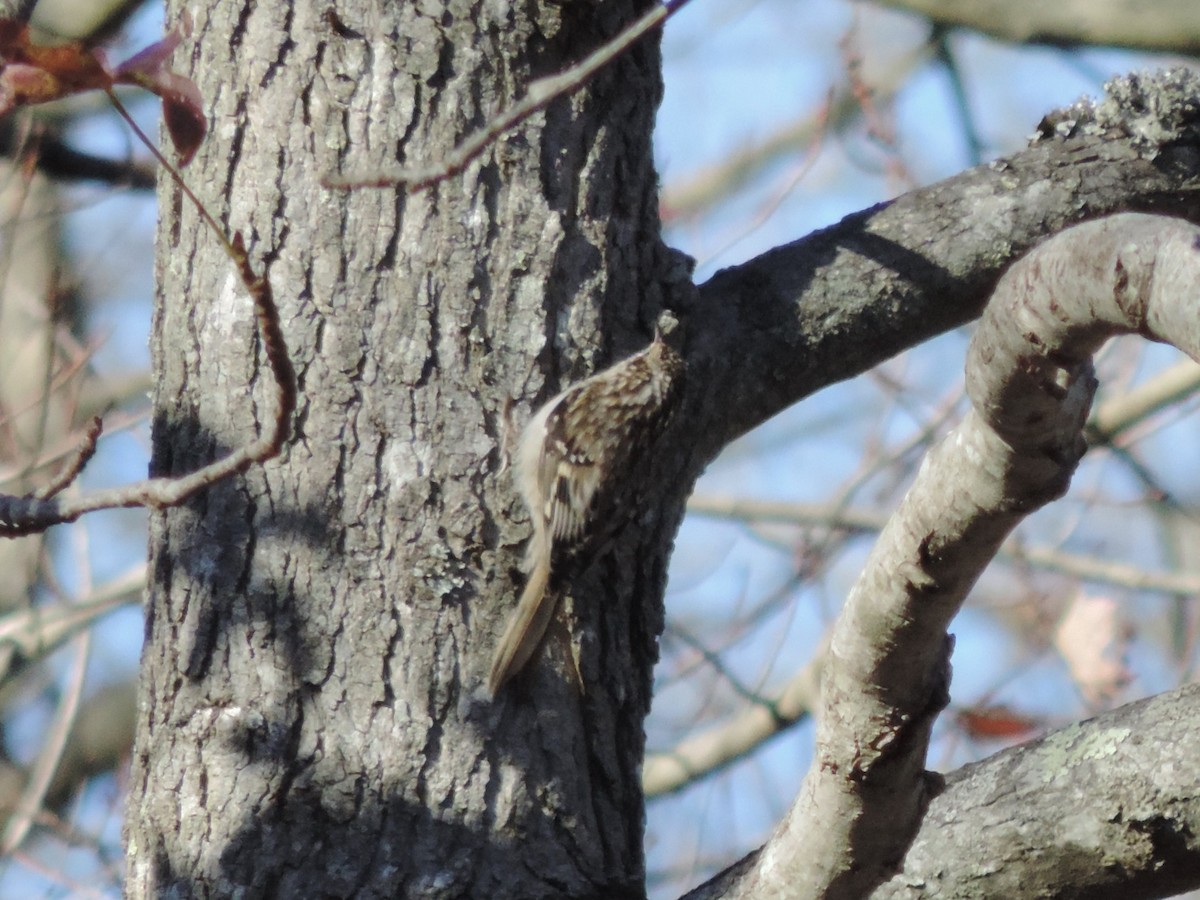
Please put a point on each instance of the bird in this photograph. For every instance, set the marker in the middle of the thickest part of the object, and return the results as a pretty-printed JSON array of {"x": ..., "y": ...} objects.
[{"x": 572, "y": 460}]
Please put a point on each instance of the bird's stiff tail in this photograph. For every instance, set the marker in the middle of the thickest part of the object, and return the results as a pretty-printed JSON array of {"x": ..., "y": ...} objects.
[{"x": 526, "y": 627}]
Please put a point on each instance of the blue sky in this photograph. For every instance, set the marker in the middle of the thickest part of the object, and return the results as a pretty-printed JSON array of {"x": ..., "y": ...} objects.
[{"x": 735, "y": 73}]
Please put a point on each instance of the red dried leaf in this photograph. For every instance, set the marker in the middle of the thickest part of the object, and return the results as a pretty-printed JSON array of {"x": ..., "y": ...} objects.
[
  {"x": 995, "y": 723},
  {"x": 183, "y": 111},
  {"x": 34, "y": 73},
  {"x": 152, "y": 58},
  {"x": 21, "y": 85},
  {"x": 184, "y": 117}
]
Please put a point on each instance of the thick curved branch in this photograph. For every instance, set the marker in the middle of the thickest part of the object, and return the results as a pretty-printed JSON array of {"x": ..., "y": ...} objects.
[
  {"x": 766, "y": 334},
  {"x": 1030, "y": 379},
  {"x": 792, "y": 321}
]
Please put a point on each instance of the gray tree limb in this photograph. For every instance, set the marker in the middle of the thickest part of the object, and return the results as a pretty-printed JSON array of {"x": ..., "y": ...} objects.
[
  {"x": 1164, "y": 25},
  {"x": 829, "y": 306},
  {"x": 1031, "y": 382},
  {"x": 1106, "y": 808}
]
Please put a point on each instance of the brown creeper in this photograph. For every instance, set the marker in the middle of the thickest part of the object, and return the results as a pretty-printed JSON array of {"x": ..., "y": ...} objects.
[{"x": 573, "y": 456}]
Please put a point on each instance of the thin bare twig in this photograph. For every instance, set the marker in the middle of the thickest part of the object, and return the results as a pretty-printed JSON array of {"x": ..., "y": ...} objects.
[
  {"x": 27, "y": 635},
  {"x": 28, "y": 515},
  {"x": 705, "y": 754},
  {"x": 47, "y": 762},
  {"x": 83, "y": 453},
  {"x": 538, "y": 95},
  {"x": 857, "y": 520},
  {"x": 1120, "y": 414}
]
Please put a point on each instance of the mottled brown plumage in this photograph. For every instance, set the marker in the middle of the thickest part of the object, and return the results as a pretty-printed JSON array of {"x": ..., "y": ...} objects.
[{"x": 573, "y": 457}]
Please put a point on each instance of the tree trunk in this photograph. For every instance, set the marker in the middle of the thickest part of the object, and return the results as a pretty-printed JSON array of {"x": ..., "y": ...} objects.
[{"x": 312, "y": 719}]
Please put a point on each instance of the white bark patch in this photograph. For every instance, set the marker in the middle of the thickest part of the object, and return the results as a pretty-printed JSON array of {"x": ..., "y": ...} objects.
[{"x": 405, "y": 461}]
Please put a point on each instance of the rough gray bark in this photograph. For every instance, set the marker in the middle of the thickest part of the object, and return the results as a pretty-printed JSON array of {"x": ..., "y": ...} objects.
[
  {"x": 1030, "y": 377},
  {"x": 1105, "y": 808},
  {"x": 318, "y": 632},
  {"x": 311, "y": 716},
  {"x": 1031, "y": 380},
  {"x": 837, "y": 302},
  {"x": 1101, "y": 809}
]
